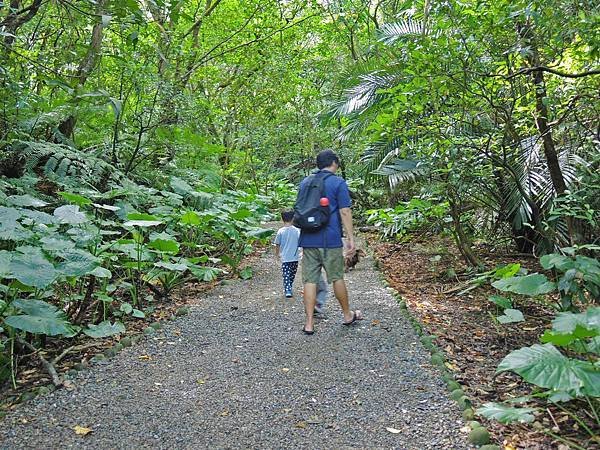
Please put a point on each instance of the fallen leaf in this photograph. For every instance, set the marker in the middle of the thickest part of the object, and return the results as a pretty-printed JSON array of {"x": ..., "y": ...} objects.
[
  {"x": 145, "y": 357},
  {"x": 393, "y": 430},
  {"x": 285, "y": 370},
  {"x": 225, "y": 413},
  {"x": 375, "y": 322},
  {"x": 82, "y": 431},
  {"x": 200, "y": 381},
  {"x": 301, "y": 425}
]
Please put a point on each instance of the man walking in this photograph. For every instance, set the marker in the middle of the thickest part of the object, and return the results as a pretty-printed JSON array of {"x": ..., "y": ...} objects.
[{"x": 324, "y": 248}]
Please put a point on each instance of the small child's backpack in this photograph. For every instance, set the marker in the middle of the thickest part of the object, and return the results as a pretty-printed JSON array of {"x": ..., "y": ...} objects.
[{"x": 309, "y": 214}]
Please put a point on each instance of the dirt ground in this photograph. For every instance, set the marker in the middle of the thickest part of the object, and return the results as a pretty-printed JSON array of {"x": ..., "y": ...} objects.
[{"x": 430, "y": 275}]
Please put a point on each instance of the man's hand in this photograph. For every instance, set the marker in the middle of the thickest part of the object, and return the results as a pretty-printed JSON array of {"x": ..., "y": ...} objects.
[
  {"x": 350, "y": 247},
  {"x": 346, "y": 215}
]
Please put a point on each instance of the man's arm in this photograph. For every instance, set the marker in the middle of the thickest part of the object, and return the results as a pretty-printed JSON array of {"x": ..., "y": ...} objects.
[{"x": 346, "y": 215}]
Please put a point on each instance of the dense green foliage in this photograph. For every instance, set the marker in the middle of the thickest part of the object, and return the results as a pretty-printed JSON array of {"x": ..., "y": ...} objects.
[{"x": 142, "y": 143}]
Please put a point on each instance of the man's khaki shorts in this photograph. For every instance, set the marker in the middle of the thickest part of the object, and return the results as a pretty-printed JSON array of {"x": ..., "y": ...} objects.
[{"x": 331, "y": 259}]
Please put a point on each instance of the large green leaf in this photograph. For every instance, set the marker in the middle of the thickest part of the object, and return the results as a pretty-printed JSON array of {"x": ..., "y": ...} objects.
[
  {"x": 534, "y": 284},
  {"x": 26, "y": 200},
  {"x": 555, "y": 260},
  {"x": 77, "y": 262},
  {"x": 180, "y": 186},
  {"x": 545, "y": 366},
  {"x": 502, "y": 302},
  {"x": 9, "y": 214},
  {"x": 240, "y": 214},
  {"x": 190, "y": 218},
  {"x": 507, "y": 271},
  {"x": 76, "y": 199},
  {"x": 204, "y": 273},
  {"x": 141, "y": 220},
  {"x": 106, "y": 207},
  {"x": 14, "y": 232},
  {"x": 40, "y": 325},
  {"x": 511, "y": 316},
  {"x": 56, "y": 242},
  {"x": 104, "y": 329},
  {"x": 567, "y": 322},
  {"x": 70, "y": 214},
  {"x": 5, "y": 259},
  {"x": 38, "y": 217},
  {"x": 164, "y": 245},
  {"x": 260, "y": 233},
  {"x": 39, "y": 318},
  {"x": 32, "y": 268},
  {"x": 101, "y": 272},
  {"x": 38, "y": 308},
  {"x": 172, "y": 266},
  {"x": 569, "y": 327},
  {"x": 506, "y": 414},
  {"x": 10, "y": 228}
]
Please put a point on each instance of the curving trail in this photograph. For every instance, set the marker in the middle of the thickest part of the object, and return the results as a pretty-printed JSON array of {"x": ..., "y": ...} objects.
[{"x": 238, "y": 373}]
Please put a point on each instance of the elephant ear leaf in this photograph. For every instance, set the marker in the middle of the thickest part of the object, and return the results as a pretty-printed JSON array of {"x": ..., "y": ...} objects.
[
  {"x": 77, "y": 262},
  {"x": 260, "y": 233},
  {"x": 30, "y": 267},
  {"x": 26, "y": 200},
  {"x": 205, "y": 273},
  {"x": 70, "y": 214},
  {"x": 104, "y": 329},
  {"x": 39, "y": 318},
  {"x": 534, "y": 284},
  {"x": 506, "y": 414},
  {"x": 546, "y": 367}
]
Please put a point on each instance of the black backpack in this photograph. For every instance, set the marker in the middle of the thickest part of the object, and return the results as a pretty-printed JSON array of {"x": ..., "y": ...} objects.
[{"x": 309, "y": 215}]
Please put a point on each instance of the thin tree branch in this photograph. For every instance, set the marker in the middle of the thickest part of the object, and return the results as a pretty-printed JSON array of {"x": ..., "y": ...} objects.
[
  {"x": 210, "y": 7},
  {"x": 528, "y": 70},
  {"x": 206, "y": 57},
  {"x": 47, "y": 365}
]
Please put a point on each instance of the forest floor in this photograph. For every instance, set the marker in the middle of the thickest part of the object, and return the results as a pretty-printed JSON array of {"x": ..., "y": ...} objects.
[
  {"x": 237, "y": 372},
  {"x": 430, "y": 275}
]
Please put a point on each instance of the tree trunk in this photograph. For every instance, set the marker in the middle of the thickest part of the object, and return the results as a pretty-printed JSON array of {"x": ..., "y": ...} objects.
[
  {"x": 462, "y": 241},
  {"x": 541, "y": 120},
  {"x": 17, "y": 18},
  {"x": 87, "y": 65}
]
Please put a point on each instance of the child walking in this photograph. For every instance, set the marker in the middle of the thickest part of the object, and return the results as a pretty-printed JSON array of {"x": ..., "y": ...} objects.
[{"x": 286, "y": 249}]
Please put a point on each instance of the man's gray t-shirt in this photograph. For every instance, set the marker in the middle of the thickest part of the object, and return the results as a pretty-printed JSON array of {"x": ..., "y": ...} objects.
[{"x": 287, "y": 239}]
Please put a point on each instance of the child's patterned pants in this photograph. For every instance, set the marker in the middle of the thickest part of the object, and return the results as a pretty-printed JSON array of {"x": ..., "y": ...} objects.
[{"x": 289, "y": 270}]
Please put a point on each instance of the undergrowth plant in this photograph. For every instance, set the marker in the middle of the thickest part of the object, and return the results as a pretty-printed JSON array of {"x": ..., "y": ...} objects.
[{"x": 79, "y": 263}]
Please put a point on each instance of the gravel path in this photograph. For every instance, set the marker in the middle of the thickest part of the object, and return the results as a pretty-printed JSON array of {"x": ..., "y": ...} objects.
[{"x": 237, "y": 372}]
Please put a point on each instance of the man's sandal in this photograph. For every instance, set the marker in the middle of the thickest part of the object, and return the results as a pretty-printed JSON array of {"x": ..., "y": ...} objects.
[
  {"x": 356, "y": 315},
  {"x": 305, "y": 331}
]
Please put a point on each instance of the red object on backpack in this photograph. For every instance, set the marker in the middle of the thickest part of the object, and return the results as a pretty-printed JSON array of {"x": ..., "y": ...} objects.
[{"x": 324, "y": 201}]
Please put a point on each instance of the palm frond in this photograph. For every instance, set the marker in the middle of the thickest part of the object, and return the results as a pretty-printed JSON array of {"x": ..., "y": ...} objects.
[
  {"x": 377, "y": 152},
  {"x": 390, "y": 33},
  {"x": 534, "y": 178},
  {"x": 366, "y": 93},
  {"x": 400, "y": 171}
]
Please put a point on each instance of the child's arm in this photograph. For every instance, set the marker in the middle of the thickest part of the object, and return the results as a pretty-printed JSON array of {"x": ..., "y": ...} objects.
[{"x": 277, "y": 254}]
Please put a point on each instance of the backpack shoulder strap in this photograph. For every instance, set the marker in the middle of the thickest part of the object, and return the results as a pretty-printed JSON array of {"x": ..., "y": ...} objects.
[{"x": 326, "y": 174}]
